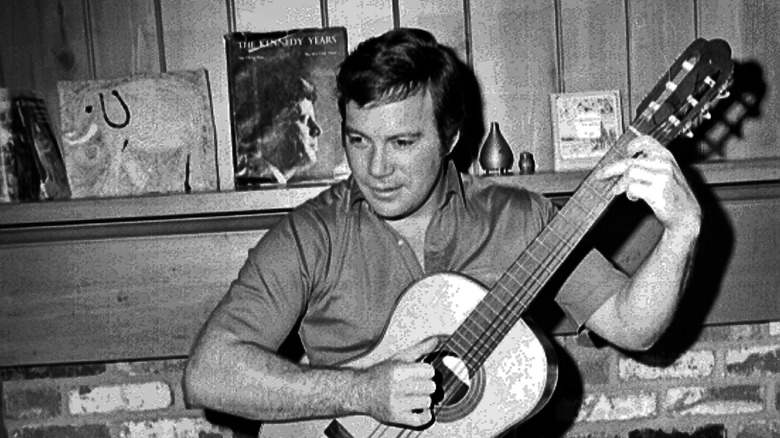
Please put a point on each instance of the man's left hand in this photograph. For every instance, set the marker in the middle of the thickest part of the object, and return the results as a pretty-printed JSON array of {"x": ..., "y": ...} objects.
[{"x": 652, "y": 175}]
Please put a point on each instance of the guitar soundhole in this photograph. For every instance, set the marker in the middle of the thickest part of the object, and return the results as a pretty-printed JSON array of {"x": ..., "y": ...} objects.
[{"x": 458, "y": 390}]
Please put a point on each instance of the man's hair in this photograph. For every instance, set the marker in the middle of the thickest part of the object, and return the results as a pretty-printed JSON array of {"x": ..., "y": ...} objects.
[{"x": 399, "y": 64}]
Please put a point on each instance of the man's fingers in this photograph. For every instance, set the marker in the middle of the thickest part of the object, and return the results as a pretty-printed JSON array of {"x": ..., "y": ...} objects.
[
  {"x": 647, "y": 146},
  {"x": 416, "y": 351},
  {"x": 424, "y": 387}
]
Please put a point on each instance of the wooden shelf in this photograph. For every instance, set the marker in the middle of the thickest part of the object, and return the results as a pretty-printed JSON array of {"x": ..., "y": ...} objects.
[
  {"x": 762, "y": 170},
  {"x": 157, "y": 207},
  {"x": 154, "y": 207}
]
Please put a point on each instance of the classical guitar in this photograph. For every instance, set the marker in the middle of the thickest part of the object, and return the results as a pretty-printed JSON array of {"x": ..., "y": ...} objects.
[{"x": 493, "y": 369}]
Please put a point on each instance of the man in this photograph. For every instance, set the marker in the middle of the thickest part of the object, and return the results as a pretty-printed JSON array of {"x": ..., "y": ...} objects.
[{"x": 338, "y": 263}]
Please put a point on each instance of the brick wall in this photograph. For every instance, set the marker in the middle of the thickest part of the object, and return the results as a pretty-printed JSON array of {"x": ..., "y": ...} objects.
[
  {"x": 127, "y": 400},
  {"x": 722, "y": 384}
]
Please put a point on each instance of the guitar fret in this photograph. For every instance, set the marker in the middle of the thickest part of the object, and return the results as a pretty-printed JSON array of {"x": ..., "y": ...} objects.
[{"x": 504, "y": 305}]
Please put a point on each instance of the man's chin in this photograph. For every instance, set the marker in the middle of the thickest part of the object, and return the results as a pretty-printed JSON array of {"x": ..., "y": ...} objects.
[
  {"x": 392, "y": 212},
  {"x": 388, "y": 211}
]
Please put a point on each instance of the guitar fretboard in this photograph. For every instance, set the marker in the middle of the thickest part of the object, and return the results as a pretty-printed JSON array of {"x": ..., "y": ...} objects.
[{"x": 503, "y": 306}]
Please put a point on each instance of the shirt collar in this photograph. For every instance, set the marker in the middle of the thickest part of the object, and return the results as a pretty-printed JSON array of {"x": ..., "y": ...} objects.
[{"x": 453, "y": 185}]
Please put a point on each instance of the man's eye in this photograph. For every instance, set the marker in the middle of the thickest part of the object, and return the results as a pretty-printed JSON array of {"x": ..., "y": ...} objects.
[
  {"x": 354, "y": 140},
  {"x": 402, "y": 143}
]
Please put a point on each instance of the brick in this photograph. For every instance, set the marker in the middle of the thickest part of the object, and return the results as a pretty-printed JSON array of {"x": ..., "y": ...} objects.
[
  {"x": 31, "y": 403},
  {"x": 594, "y": 371},
  {"x": 753, "y": 360},
  {"x": 172, "y": 428},
  {"x": 129, "y": 397},
  {"x": 737, "y": 399},
  {"x": 727, "y": 333},
  {"x": 693, "y": 364},
  {"x": 758, "y": 430},
  {"x": 611, "y": 407},
  {"x": 708, "y": 431},
  {"x": 155, "y": 367},
  {"x": 774, "y": 328},
  {"x": 51, "y": 372},
  {"x": 82, "y": 431}
]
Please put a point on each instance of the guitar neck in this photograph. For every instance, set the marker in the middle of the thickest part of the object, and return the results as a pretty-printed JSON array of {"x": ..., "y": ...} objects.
[{"x": 503, "y": 306}]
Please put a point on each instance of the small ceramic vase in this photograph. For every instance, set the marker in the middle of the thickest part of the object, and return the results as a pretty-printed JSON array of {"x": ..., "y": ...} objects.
[{"x": 496, "y": 156}]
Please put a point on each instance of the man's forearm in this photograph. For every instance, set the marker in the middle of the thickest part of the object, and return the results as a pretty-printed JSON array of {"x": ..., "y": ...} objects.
[
  {"x": 655, "y": 290},
  {"x": 251, "y": 382}
]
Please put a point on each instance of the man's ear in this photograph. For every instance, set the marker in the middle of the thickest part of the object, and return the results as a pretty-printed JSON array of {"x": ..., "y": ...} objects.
[{"x": 453, "y": 142}]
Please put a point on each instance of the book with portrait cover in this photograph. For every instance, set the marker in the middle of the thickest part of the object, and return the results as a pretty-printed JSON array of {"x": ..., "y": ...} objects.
[{"x": 286, "y": 128}]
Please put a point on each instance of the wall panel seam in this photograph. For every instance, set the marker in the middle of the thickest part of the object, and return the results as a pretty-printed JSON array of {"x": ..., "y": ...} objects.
[
  {"x": 325, "y": 20},
  {"x": 158, "y": 22},
  {"x": 559, "y": 79},
  {"x": 90, "y": 37}
]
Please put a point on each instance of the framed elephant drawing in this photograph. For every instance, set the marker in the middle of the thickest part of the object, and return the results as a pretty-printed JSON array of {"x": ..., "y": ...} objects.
[{"x": 149, "y": 133}]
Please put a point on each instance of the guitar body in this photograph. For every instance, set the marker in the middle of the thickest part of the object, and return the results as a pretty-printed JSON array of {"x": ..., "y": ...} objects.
[{"x": 516, "y": 380}]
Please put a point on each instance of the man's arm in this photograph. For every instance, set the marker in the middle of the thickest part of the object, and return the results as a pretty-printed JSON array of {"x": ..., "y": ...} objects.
[
  {"x": 229, "y": 375},
  {"x": 638, "y": 315}
]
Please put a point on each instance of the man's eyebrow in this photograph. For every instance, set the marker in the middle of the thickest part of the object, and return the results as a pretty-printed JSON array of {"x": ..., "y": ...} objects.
[
  {"x": 351, "y": 130},
  {"x": 410, "y": 134},
  {"x": 413, "y": 134}
]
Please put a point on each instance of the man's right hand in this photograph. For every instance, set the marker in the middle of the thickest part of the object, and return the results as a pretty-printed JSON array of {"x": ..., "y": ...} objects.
[{"x": 398, "y": 390}]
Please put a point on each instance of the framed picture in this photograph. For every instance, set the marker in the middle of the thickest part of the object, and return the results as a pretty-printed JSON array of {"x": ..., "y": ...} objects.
[{"x": 585, "y": 125}]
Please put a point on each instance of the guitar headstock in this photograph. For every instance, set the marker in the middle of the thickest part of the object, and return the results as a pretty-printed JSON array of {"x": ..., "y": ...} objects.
[{"x": 683, "y": 96}]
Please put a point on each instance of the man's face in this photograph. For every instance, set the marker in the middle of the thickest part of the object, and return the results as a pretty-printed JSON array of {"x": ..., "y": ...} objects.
[
  {"x": 308, "y": 129},
  {"x": 395, "y": 153}
]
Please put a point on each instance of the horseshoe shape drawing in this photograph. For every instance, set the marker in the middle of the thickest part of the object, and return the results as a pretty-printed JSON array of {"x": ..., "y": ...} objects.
[{"x": 124, "y": 107}]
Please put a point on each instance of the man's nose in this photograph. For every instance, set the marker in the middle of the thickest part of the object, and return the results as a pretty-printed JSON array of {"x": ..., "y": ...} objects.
[{"x": 380, "y": 165}]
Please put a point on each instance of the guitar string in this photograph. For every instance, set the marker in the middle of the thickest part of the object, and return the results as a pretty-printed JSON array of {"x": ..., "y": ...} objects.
[{"x": 519, "y": 302}]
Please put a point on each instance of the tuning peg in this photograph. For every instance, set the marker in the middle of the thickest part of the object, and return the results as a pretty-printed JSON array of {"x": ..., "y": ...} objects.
[
  {"x": 706, "y": 115},
  {"x": 688, "y": 133},
  {"x": 722, "y": 95}
]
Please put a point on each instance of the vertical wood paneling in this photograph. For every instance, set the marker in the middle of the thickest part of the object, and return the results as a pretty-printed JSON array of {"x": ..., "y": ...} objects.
[
  {"x": 593, "y": 42},
  {"x": 193, "y": 33},
  {"x": 751, "y": 28},
  {"x": 65, "y": 55},
  {"x": 124, "y": 37},
  {"x": 659, "y": 30},
  {"x": 362, "y": 18},
  {"x": 514, "y": 58},
  {"x": 51, "y": 46},
  {"x": 445, "y": 19},
  {"x": 513, "y": 48},
  {"x": 18, "y": 26},
  {"x": 65, "y": 39},
  {"x": 268, "y": 15}
]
